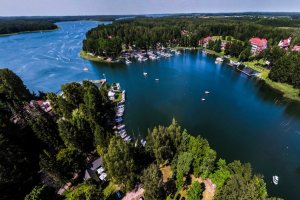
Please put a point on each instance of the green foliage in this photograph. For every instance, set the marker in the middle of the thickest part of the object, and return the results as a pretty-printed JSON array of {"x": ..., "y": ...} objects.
[
  {"x": 164, "y": 142},
  {"x": 203, "y": 156},
  {"x": 16, "y": 26},
  {"x": 12, "y": 87},
  {"x": 286, "y": 70},
  {"x": 234, "y": 48},
  {"x": 195, "y": 191},
  {"x": 184, "y": 163},
  {"x": 84, "y": 191},
  {"x": 152, "y": 183},
  {"x": 245, "y": 55},
  {"x": 119, "y": 162},
  {"x": 40, "y": 193},
  {"x": 69, "y": 161},
  {"x": 220, "y": 175},
  {"x": 242, "y": 184}
]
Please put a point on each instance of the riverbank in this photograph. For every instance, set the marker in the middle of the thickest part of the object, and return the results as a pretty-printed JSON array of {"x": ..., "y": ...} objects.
[
  {"x": 288, "y": 91},
  {"x": 24, "y": 32},
  {"x": 85, "y": 55}
]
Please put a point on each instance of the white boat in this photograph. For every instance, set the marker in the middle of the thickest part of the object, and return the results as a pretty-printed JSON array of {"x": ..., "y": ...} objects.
[
  {"x": 206, "y": 92},
  {"x": 128, "y": 61},
  {"x": 157, "y": 79},
  {"x": 145, "y": 73},
  {"x": 219, "y": 60},
  {"x": 275, "y": 180},
  {"x": 203, "y": 99},
  {"x": 85, "y": 69}
]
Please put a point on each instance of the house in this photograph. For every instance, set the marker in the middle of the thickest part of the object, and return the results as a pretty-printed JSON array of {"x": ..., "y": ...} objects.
[
  {"x": 204, "y": 41},
  {"x": 95, "y": 171},
  {"x": 258, "y": 45},
  {"x": 111, "y": 95},
  {"x": 285, "y": 43},
  {"x": 296, "y": 48}
]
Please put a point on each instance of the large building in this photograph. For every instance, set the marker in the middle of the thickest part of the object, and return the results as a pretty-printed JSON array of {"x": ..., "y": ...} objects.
[
  {"x": 258, "y": 45},
  {"x": 285, "y": 43},
  {"x": 204, "y": 41}
]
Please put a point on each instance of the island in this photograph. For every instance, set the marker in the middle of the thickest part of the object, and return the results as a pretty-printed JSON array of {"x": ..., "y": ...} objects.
[{"x": 267, "y": 46}]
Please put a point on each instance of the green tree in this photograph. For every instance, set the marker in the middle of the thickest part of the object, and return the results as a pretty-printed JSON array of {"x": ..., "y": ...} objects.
[
  {"x": 119, "y": 162},
  {"x": 40, "y": 193},
  {"x": 221, "y": 174},
  {"x": 203, "y": 156},
  {"x": 84, "y": 191},
  {"x": 152, "y": 183},
  {"x": 195, "y": 191}
]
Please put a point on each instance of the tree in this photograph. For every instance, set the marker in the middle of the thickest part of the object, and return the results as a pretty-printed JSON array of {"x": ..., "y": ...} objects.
[
  {"x": 245, "y": 55},
  {"x": 69, "y": 161},
  {"x": 203, "y": 156},
  {"x": 195, "y": 191},
  {"x": 40, "y": 193},
  {"x": 119, "y": 162},
  {"x": 164, "y": 142},
  {"x": 84, "y": 191},
  {"x": 221, "y": 174},
  {"x": 152, "y": 183},
  {"x": 184, "y": 162}
]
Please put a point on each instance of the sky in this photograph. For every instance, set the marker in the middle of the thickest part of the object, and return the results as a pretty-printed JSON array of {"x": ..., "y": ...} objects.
[{"x": 122, "y": 7}]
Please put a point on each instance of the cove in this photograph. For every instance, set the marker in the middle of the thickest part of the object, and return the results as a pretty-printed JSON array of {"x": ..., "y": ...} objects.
[{"x": 241, "y": 118}]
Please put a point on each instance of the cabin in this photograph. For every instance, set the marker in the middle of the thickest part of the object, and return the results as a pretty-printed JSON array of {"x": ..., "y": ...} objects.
[
  {"x": 204, "y": 41},
  {"x": 95, "y": 171},
  {"x": 285, "y": 43},
  {"x": 296, "y": 48},
  {"x": 258, "y": 45}
]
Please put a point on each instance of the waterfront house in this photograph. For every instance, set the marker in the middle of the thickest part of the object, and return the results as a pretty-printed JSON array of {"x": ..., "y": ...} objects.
[
  {"x": 111, "y": 95},
  {"x": 204, "y": 41},
  {"x": 258, "y": 45},
  {"x": 95, "y": 171},
  {"x": 285, "y": 43},
  {"x": 296, "y": 48}
]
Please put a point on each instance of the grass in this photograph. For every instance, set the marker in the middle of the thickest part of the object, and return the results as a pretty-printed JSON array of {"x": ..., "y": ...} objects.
[
  {"x": 110, "y": 189},
  {"x": 287, "y": 90},
  {"x": 84, "y": 54}
]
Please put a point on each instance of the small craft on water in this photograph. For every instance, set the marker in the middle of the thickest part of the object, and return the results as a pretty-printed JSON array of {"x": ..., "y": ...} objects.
[
  {"x": 206, "y": 92},
  {"x": 219, "y": 60},
  {"x": 157, "y": 79},
  {"x": 128, "y": 61},
  {"x": 85, "y": 69},
  {"x": 203, "y": 99},
  {"x": 275, "y": 180},
  {"x": 145, "y": 73}
]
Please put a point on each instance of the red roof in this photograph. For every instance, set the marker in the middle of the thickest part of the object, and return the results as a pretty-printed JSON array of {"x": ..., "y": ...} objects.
[
  {"x": 207, "y": 39},
  {"x": 39, "y": 102},
  {"x": 285, "y": 42},
  {"x": 296, "y": 48},
  {"x": 259, "y": 42}
]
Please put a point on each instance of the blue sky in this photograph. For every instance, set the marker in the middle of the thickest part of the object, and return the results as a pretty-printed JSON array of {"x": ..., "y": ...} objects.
[{"x": 111, "y": 7}]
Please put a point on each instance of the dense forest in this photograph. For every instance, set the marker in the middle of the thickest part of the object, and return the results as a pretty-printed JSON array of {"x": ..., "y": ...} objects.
[
  {"x": 16, "y": 26},
  {"x": 41, "y": 151},
  {"x": 147, "y": 33}
]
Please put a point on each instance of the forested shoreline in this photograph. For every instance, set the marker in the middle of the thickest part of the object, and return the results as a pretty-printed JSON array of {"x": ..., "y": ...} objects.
[
  {"x": 18, "y": 26},
  {"x": 41, "y": 151}
]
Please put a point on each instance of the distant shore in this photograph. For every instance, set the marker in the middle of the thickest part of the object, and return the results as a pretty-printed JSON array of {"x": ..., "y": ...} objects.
[
  {"x": 24, "y": 32},
  {"x": 288, "y": 91}
]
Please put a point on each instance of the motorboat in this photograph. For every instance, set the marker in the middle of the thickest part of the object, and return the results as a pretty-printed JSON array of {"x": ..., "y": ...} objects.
[
  {"x": 145, "y": 73},
  {"x": 206, "y": 92},
  {"x": 85, "y": 69},
  {"x": 203, "y": 99},
  {"x": 219, "y": 60},
  {"x": 275, "y": 180}
]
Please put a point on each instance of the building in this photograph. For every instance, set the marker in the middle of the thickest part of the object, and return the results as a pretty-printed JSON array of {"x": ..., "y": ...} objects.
[
  {"x": 285, "y": 43},
  {"x": 258, "y": 45},
  {"x": 95, "y": 171},
  {"x": 204, "y": 41},
  {"x": 296, "y": 48}
]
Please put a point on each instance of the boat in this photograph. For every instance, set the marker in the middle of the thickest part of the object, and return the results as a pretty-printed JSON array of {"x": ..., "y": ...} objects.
[
  {"x": 127, "y": 61},
  {"x": 206, "y": 92},
  {"x": 157, "y": 79},
  {"x": 275, "y": 180},
  {"x": 85, "y": 69},
  {"x": 145, "y": 73},
  {"x": 219, "y": 60},
  {"x": 203, "y": 99}
]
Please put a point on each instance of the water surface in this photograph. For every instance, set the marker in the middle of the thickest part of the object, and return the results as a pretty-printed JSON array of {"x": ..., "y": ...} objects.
[{"x": 241, "y": 117}]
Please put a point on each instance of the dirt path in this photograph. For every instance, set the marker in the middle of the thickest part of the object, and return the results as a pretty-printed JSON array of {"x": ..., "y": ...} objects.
[{"x": 134, "y": 195}]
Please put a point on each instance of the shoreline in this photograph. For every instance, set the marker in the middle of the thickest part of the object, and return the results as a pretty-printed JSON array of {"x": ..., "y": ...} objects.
[
  {"x": 287, "y": 91},
  {"x": 24, "y": 32},
  {"x": 84, "y": 55}
]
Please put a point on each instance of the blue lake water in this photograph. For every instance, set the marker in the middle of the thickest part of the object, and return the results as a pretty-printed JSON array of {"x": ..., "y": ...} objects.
[{"x": 241, "y": 117}]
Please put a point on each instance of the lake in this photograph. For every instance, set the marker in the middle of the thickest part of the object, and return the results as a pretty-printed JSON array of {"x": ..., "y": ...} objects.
[{"x": 241, "y": 118}]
